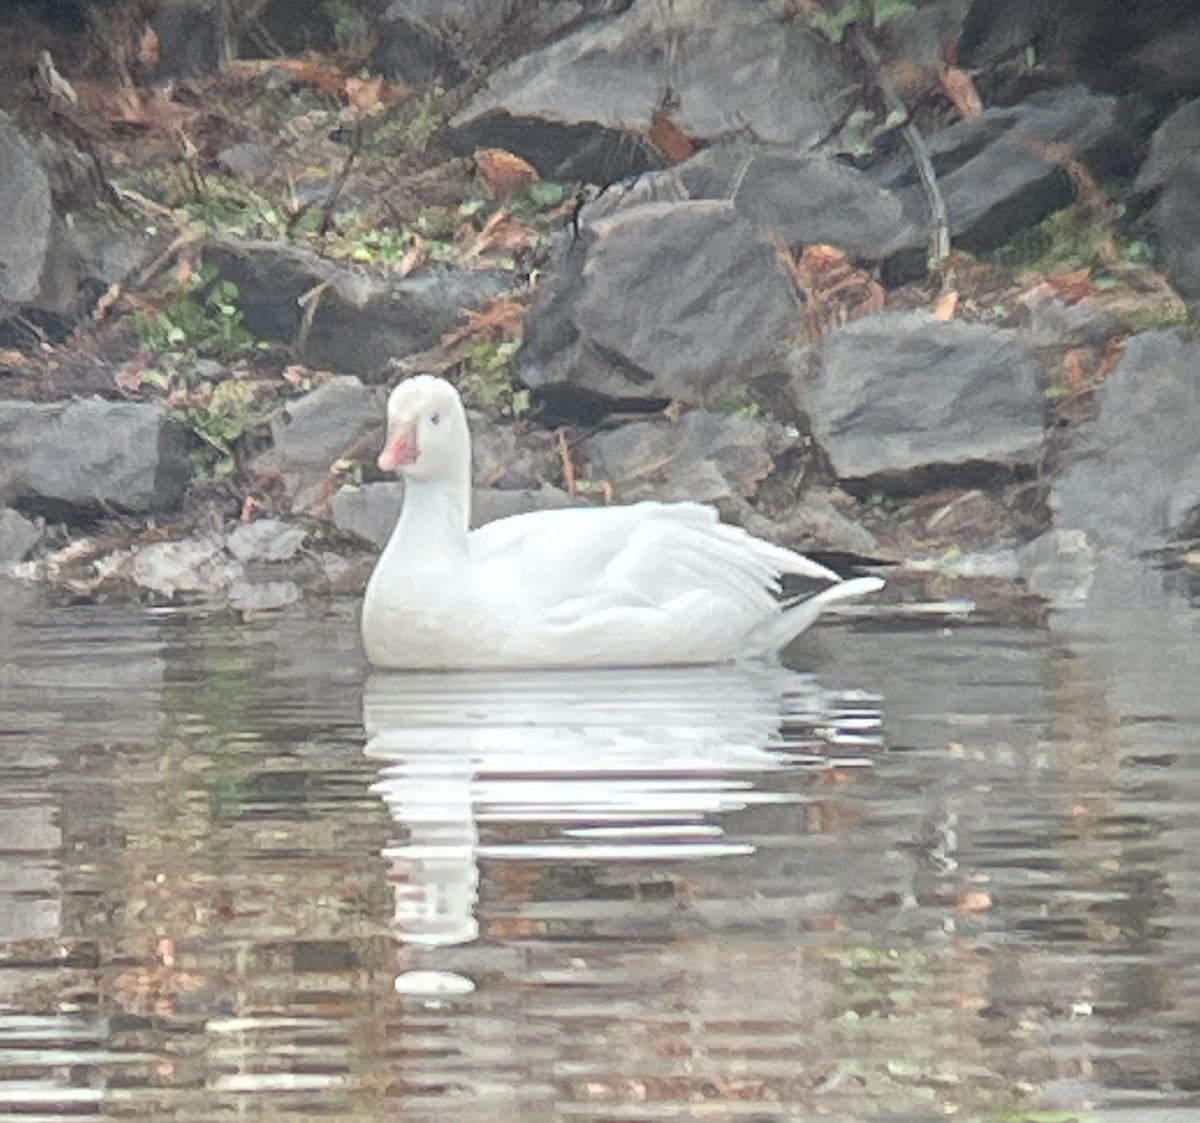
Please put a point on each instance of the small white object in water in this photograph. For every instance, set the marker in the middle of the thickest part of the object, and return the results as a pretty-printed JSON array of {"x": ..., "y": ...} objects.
[{"x": 432, "y": 984}]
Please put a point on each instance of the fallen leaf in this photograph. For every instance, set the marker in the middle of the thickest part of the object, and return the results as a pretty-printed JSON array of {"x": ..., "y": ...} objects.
[
  {"x": 105, "y": 304},
  {"x": 1072, "y": 287},
  {"x": 503, "y": 174},
  {"x": 1114, "y": 352},
  {"x": 668, "y": 139},
  {"x": 500, "y": 232},
  {"x": 974, "y": 900},
  {"x": 414, "y": 257},
  {"x": 1073, "y": 369},
  {"x": 945, "y": 306},
  {"x": 498, "y": 319},
  {"x": 960, "y": 89}
]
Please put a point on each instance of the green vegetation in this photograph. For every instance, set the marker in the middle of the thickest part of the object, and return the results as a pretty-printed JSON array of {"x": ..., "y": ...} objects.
[
  {"x": 485, "y": 380},
  {"x": 229, "y": 410},
  {"x": 200, "y": 317},
  {"x": 838, "y": 16}
]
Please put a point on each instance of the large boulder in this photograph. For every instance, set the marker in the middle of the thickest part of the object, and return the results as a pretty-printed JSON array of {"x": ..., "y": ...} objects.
[
  {"x": 358, "y": 321},
  {"x": 310, "y": 434},
  {"x": 663, "y": 301},
  {"x": 1007, "y": 169},
  {"x": 575, "y": 108},
  {"x": 709, "y": 457},
  {"x": 804, "y": 198},
  {"x": 87, "y": 454},
  {"x": 1131, "y": 477},
  {"x": 1172, "y": 174},
  {"x": 898, "y": 394},
  {"x": 58, "y": 251}
]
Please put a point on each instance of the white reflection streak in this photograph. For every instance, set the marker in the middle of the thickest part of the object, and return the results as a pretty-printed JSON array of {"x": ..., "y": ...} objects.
[{"x": 619, "y": 765}]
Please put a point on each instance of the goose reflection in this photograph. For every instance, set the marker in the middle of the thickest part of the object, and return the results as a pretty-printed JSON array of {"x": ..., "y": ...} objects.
[{"x": 584, "y": 766}]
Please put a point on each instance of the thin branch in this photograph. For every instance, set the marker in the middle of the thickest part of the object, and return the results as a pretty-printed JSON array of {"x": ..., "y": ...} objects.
[{"x": 894, "y": 103}]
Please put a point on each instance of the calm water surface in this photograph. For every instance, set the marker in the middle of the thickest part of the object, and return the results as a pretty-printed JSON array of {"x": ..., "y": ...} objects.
[{"x": 935, "y": 872}]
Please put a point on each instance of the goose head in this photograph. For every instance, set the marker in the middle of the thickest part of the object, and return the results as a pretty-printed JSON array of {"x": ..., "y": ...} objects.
[{"x": 427, "y": 434}]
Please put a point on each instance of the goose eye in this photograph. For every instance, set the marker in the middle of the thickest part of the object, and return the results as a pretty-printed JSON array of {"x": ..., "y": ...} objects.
[{"x": 435, "y": 419}]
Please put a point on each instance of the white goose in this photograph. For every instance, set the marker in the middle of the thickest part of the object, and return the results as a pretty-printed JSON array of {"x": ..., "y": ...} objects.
[{"x": 647, "y": 584}]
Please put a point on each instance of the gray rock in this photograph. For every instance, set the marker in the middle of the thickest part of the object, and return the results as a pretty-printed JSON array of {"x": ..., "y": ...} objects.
[
  {"x": 1131, "y": 477},
  {"x": 193, "y": 565},
  {"x": 1055, "y": 325},
  {"x": 309, "y": 434},
  {"x": 189, "y": 39},
  {"x": 247, "y": 160},
  {"x": 370, "y": 511},
  {"x": 26, "y": 217},
  {"x": 812, "y": 199},
  {"x": 1172, "y": 170},
  {"x": 512, "y": 455},
  {"x": 57, "y": 249},
  {"x": 1002, "y": 172},
  {"x": 126, "y": 455},
  {"x": 262, "y": 596},
  {"x": 708, "y": 457},
  {"x": 18, "y": 535},
  {"x": 665, "y": 301},
  {"x": 815, "y": 522},
  {"x": 24, "y": 426},
  {"x": 1059, "y": 566},
  {"x": 572, "y": 108},
  {"x": 423, "y": 41},
  {"x": 362, "y": 321},
  {"x": 899, "y": 393},
  {"x": 491, "y": 503},
  {"x": 265, "y": 540}
]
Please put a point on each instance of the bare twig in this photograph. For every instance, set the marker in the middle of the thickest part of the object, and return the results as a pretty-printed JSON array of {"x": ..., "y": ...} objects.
[
  {"x": 939, "y": 219},
  {"x": 310, "y": 301}
]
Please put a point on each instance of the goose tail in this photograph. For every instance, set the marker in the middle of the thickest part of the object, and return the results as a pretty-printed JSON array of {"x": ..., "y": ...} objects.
[{"x": 778, "y": 632}]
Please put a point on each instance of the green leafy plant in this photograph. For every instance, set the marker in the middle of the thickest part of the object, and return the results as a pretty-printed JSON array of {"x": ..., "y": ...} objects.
[
  {"x": 230, "y": 409},
  {"x": 199, "y": 317},
  {"x": 486, "y": 377}
]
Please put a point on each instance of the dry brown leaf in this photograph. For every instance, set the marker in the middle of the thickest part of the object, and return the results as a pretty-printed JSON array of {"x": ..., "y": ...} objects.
[
  {"x": 974, "y": 900},
  {"x": 366, "y": 97},
  {"x": 668, "y": 139},
  {"x": 1072, "y": 287},
  {"x": 414, "y": 257},
  {"x": 106, "y": 303},
  {"x": 945, "y": 306},
  {"x": 960, "y": 89},
  {"x": 1114, "y": 352},
  {"x": 568, "y": 465},
  {"x": 834, "y": 291},
  {"x": 500, "y": 232},
  {"x": 503, "y": 174},
  {"x": 1073, "y": 369},
  {"x": 498, "y": 319},
  {"x": 14, "y": 359}
]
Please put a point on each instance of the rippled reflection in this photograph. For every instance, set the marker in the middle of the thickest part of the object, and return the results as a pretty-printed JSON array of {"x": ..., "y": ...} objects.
[
  {"x": 585, "y": 766},
  {"x": 682, "y": 896}
]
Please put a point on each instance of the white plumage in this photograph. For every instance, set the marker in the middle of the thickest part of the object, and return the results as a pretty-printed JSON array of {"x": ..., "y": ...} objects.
[{"x": 640, "y": 585}]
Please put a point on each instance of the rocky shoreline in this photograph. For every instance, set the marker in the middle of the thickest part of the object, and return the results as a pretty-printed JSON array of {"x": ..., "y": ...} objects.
[{"x": 711, "y": 295}]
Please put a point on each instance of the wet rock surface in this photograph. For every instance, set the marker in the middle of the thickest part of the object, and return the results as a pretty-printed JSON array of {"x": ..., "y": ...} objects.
[
  {"x": 575, "y": 107},
  {"x": 661, "y": 302},
  {"x": 90, "y": 454},
  {"x": 347, "y": 320},
  {"x": 898, "y": 394},
  {"x": 1131, "y": 477}
]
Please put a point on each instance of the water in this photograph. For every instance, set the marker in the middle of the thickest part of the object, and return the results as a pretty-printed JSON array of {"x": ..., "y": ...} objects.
[{"x": 939, "y": 872}]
